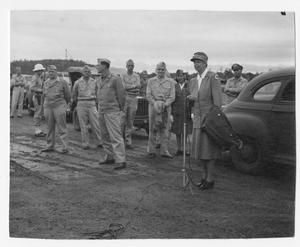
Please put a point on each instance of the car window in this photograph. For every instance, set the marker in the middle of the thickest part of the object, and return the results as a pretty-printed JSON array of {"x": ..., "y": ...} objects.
[
  {"x": 289, "y": 92},
  {"x": 267, "y": 92}
]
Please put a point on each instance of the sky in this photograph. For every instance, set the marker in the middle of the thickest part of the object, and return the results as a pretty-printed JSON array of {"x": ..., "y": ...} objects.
[{"x": 257, "y": 40}]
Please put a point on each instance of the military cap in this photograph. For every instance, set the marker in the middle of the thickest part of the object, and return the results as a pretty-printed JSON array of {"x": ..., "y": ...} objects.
[
  {"x": 236, "y": 66},
  {"x": 105, "y": 60},
  {"x": 86, "y": 67},
  {"x": 52, "y": 68},
  {"x": 199, "y": 56}
]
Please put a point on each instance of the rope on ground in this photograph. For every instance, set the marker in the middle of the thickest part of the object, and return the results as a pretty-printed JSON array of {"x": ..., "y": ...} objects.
[{"x": 113, "y": 232}]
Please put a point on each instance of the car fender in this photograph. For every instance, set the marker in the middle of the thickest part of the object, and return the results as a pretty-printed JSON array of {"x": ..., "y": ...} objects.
[{"x": 245, "y": 124}]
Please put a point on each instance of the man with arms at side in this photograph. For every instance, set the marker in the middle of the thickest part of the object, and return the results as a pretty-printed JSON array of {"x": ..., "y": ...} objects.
[
  {"x": 36, "y": 93},
  {"x": 84, "y": 95},
  {"x": 111, "y": 103},
  {"x": 132, "y": 85},
  {"x": 56, "y": 97},
  {"x": 18, "y": 83}
]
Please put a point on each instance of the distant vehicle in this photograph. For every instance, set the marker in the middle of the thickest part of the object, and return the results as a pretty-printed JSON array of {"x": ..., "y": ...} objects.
[
  {"x": 141, "y": 119},
  {"x": 263, "y": 115}
]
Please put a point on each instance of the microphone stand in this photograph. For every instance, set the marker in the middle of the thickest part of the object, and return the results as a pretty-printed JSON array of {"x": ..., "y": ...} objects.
[{"x": 185, "y": 178}]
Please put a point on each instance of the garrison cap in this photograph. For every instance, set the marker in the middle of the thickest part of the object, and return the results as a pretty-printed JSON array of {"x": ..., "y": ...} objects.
[
  {"x": 86, "y": 67},
  {"x": 52, "y": 68},
  {"x": 200, "y": 56},
  {"x": 236, "y": 66}
]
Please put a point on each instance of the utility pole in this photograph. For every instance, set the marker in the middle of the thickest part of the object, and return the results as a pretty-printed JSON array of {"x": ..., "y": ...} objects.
[{"x": 66, "y": 54}]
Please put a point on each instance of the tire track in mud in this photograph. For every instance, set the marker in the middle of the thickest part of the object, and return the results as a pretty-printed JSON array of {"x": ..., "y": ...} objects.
[{"x": 80, "y": 163}]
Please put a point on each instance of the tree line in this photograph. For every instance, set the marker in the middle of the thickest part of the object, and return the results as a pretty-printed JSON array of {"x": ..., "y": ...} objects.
[{"x": 28, "y": 65}]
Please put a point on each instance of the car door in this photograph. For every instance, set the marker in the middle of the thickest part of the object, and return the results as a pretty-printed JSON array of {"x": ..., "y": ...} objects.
[{"x": 283, "y": 123}]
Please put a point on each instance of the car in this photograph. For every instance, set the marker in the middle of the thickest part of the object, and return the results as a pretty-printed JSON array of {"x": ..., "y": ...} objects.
[
  {"x": 263, "y": 115},
  {"x": 141, "y": 120}
]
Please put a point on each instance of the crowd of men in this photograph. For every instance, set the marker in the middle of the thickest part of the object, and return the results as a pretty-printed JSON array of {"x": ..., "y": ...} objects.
[{"x": 109, "y": 103}]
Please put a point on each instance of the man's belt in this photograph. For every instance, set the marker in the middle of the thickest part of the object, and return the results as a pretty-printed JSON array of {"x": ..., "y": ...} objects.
[
  {"x": 93, "y": 99},
  {"x": 18, "y": 86}
]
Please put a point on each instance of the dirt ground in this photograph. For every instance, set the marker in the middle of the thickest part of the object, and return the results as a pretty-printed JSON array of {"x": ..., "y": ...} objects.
[{"x": 70, "y": 196}]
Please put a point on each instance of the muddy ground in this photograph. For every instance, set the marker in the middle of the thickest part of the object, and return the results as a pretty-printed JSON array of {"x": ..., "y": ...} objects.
[{"x": 69, "y": 196}]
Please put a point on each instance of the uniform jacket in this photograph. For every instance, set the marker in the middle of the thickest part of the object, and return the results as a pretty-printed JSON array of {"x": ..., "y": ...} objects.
[
  {"x": 18, "y": 81},
  {"x": 36, "y": 84},
  {"x": 56, "y": 92},
  {"x": 163, "y": 90},
  {"x": 111, "y": 93},
  {"x": 131, "y": 84},
  {"x": 208, "y": 95},
  {"x": 84, "y": 90}
]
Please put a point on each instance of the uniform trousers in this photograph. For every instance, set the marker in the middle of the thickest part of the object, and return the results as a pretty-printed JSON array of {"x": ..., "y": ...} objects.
[
  {"x": 88, "y": 114},
  {"x": 111, "y": 132},
  {"x": 38, "y": 112},
  {"x": 56, "y": 117},
  {"x": 163, "y": 132},
  {"x": 130, "y": 111},
  {"x": 17, "y": 100}
]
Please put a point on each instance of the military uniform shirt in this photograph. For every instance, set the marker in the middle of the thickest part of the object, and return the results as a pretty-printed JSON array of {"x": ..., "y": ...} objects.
[
  {"x": 131, "y": 84},
  {"x": 56, "y": 92},
  {"x": 163, "y": 90},
  {"x": 84, "y": 90}
]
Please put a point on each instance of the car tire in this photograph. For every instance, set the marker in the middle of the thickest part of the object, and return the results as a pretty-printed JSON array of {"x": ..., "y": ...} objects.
[{"x": 249, "y": 158}]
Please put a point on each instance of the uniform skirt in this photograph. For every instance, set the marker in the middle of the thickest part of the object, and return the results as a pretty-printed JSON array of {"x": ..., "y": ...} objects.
[{"x": 203, "y": 147}]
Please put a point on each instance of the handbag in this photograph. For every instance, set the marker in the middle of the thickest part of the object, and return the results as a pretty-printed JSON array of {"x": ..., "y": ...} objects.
[{"x": 219, "y": 129}]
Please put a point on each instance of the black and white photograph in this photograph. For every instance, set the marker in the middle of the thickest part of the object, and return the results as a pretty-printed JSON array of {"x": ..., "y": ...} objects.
[{"x": 151, "y": 124}]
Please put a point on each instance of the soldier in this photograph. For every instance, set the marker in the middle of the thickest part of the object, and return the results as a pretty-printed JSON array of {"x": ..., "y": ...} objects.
[
  {"x": 111, "y": 103},
  {"x": 18, "y": 83},
  {"x": 160, "y": 94},
  {"x": 144, "y": 81},
  {"x": 84, "y": 95},
  {"x": 56, "y": 97},
  {"x": 235, "y": 84},
  {"x": 36, "y": 91},
  {"x": 132, "y": 85}
]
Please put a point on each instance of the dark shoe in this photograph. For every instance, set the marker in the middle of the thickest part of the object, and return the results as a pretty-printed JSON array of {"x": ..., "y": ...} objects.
[
  {"x": 19, "y": 116},
  {"x": 85, "y": 147},
  {"x": 187, "y": 154},
  {"x": 169, "y": 156},
  {"x": 179, "y": 153},
  {"x": 11, "y": 116},
  {"x": 151, "y": 155},
  {"x": 47, "y": 150},
  {"x": 157, "y": 146},
  {"x": 99, "y": 146},
  {"x": 120, "y": 166},
  {"x": 107, "y": 161},
  {"x": 207, "y": 185}
]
